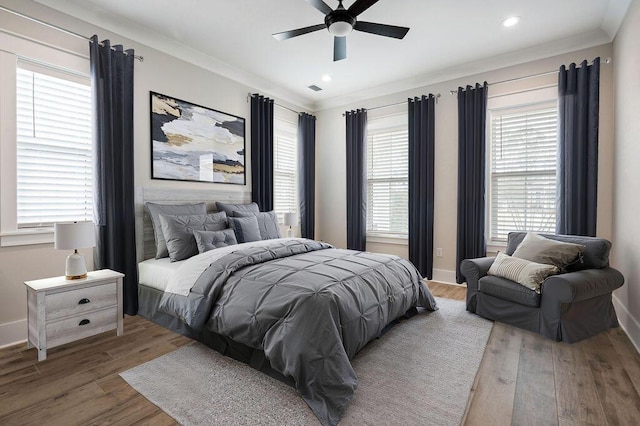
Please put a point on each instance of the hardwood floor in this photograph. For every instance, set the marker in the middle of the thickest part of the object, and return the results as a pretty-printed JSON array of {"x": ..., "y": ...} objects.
[{"x": 523, "y": 379}]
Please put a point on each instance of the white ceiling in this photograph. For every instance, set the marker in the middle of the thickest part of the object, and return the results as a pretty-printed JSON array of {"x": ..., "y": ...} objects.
[{"x": 448, "y": 39}]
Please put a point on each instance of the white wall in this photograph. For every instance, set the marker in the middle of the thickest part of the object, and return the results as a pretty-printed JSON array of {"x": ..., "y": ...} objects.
[
  {"x": 159, "y": 73},
  {"x": 626, "y": 230},
  {"x": 331, "y": 153}
]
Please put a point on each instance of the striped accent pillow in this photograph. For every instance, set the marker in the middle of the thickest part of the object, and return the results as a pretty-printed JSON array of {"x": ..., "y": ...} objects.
[{"x": 524, "y": 272}]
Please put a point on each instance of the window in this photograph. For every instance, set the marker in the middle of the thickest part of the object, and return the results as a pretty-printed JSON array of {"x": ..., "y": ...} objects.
[
  {"x": 285, "y": 165},
  {"x": 388, "y": 176},
  {"x": 522, "y": 168},
  {"x": 54, "y": 148}
]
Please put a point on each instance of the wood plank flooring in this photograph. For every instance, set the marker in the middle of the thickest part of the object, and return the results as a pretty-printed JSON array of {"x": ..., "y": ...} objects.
[{"x": 523, "y": 379}]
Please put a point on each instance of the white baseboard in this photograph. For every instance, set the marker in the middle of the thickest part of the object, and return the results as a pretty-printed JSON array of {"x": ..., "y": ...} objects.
[
  {"x": 444, "y": 276},
  {"x": 12, "y": 333},
  {"x": 629, "y": 324}
]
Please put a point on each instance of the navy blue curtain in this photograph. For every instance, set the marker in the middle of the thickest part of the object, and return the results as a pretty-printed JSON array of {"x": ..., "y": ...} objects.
[
  {"x": 356, "y": 179},
  {"x": 307, "y": 173},
  {"x": 112, "y": 96},
  {"x": 262, "y": 152},
  {"x": 421, "y": 182},
  {"x": 578, "y": 111},
  {"x": 472, "y": 114}
]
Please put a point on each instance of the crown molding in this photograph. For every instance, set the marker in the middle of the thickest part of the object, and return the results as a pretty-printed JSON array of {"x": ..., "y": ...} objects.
[
  {"x": 613, "y": 18},
  {"x": 616, "y": 11},
  {"x": 135, "y": 32},
  {"x": 547, "y": 50}
]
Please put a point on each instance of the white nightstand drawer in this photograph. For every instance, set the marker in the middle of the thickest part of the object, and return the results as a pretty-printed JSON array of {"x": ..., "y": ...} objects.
[
  {"x": 75, "y": 302},
  {"x": 81, "y": 326}
]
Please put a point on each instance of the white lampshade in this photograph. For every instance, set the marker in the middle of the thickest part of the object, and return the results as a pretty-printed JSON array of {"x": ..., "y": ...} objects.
[
  {"x": 71, "y": 236},
  {"x": 290, "y": 219}
]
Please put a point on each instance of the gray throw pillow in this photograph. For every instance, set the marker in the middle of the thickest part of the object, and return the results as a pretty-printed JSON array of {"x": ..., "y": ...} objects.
[
  {"x": 209, "y": 240},
  {"x": 246, "y": 228},
  {"x": 178, "y": 231},
  {"x": 155, "y": 210},
  {"x": 267, "y": 222},
  {"x": 230, "y": 208},
  {"x": 539, "y": 249}
]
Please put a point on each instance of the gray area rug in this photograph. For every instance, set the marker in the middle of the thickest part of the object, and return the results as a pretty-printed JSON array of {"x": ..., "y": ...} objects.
[{"x": 419, "y": 373}]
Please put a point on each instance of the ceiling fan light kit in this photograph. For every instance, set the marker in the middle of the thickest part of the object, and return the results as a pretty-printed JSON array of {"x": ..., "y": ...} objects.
[{"x": 340, "y": 22}]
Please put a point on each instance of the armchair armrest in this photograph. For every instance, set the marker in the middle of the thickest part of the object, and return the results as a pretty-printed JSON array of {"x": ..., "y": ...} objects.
[
  {"x": 582, "y": 285},
  {"x": 473, "y": 270}
]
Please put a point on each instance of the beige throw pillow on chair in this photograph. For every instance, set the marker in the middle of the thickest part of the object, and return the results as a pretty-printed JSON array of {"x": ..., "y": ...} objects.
[
  {"x": 539, "y": 249},
  {"x": 524, "y": 272}
]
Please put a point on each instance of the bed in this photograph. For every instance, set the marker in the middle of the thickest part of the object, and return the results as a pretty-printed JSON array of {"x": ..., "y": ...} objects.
[{"x": 296, "y": 309}]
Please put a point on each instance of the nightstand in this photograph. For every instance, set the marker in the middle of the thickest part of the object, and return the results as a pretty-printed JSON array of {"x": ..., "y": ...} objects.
[{"x": 62, "y": 311}]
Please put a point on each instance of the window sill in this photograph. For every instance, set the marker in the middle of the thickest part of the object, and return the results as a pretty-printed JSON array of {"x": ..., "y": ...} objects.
[
  {"x": 26, "y": 237},
  {"x": 496, "y": 246},
  {"x": 387, "y": 239}
]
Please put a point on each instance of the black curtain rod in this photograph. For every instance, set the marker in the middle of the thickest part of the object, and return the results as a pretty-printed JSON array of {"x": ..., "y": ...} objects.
[
  {"x": 525, "y": 77},
  {"x": 55, "y": 27},
  {"x": 391, "y": 105},
  {"x": 250, "y": 95}
]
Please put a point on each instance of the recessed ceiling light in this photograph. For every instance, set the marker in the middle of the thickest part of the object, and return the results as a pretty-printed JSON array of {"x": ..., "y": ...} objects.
[
  {"x": 326, "y": 77},
  {"x": 511, "y": 21}
]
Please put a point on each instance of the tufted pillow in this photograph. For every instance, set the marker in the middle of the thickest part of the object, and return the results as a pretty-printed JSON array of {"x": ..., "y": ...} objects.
[
  {"x": 246, "y": 228},
  {"x": 178, "y": 231},
  {"x": 524, "y": 272},
  {"x": 155, "y": 210},
  {"x": 230, "y": 208},
  {"x": 209, "y": 240},
  {"x": 267, "y": 223},
  {"x": 539, "y": 249}
]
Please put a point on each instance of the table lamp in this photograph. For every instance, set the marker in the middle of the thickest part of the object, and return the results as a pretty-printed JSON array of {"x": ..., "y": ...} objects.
[
  {"x": 290, "y": 219},
  {"x": 74, "y": 236}
]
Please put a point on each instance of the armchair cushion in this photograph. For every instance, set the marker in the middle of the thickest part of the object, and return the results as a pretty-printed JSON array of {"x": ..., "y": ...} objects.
[{"x": 508, "y": 290}]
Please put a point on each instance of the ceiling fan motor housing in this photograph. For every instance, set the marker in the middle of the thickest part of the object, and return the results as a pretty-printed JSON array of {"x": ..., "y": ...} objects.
[{"x": 340, "y": 22}]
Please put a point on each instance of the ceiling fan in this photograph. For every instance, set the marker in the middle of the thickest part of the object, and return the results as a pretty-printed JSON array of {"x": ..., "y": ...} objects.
[{"x": 341, "y": 22}]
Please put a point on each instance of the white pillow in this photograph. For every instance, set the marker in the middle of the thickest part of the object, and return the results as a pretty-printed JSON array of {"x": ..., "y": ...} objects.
[{"x": 524, "y": 272}]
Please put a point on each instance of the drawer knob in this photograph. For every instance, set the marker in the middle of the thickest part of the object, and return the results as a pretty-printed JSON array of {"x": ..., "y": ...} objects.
[
  {"x": 84, "y": 322},
  {"x": 84, "y": 301}
]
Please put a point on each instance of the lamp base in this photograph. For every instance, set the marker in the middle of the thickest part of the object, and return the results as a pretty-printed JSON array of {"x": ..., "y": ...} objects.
[{"x": 75, "y": 267}]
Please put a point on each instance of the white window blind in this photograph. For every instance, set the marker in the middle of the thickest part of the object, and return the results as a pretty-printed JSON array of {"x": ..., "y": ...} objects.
[
  {"x": 523, "y": 170},
  {"x": 285, "y": 157},
  {"x": 387, "y": 177},
  {"x": 54, "y": 149}
]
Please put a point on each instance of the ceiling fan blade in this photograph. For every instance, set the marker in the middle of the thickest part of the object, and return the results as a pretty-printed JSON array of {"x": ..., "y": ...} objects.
[
  {"x": 320, "y": 5},
  {"x": 300, "y": 31},
  {"x": 360, "y": 6},
  {"x": 339, "y": 48},
  {"x": 381, "y": 29}
]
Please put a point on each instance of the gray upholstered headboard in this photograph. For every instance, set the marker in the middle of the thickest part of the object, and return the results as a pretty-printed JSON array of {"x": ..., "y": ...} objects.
[{"x": 145, "y": 243}]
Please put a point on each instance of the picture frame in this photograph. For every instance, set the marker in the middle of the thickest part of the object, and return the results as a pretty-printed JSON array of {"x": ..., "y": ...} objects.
[{"x": 190, "y": 142}]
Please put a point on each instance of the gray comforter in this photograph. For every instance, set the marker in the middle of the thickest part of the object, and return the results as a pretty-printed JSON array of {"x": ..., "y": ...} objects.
[{"x": 308, "y": 306}]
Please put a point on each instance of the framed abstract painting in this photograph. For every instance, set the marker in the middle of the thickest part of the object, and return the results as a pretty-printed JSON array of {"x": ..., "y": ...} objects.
[{"x": 190, "y": 142}]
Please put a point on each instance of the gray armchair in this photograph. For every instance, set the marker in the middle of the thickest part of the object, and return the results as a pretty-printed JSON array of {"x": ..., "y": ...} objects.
[{"x": 570, "y": 307}]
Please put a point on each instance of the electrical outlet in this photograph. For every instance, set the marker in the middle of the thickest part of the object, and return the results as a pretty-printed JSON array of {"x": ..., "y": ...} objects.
[{"x": 439, "y": 252}]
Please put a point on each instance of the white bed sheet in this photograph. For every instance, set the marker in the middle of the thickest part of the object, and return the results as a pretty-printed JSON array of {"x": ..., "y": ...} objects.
[
  {"x": 190, "y": 269},
  {"x": 157, "y": 273}
]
